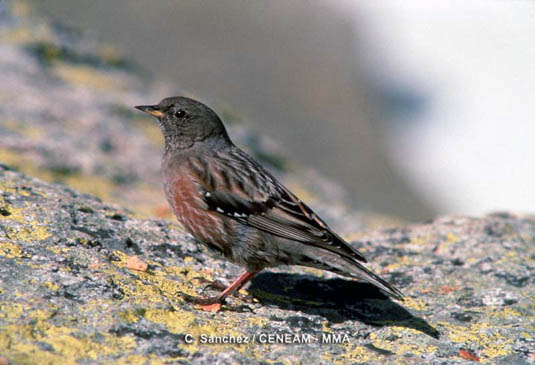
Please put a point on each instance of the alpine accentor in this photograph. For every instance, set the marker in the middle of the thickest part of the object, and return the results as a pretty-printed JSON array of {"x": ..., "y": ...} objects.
[{"x": 227, "y": 200}]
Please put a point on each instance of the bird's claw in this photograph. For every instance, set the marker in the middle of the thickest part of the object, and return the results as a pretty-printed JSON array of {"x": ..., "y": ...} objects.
[
  {"x": 215, "y": 304},
  {"x": 216, "y": 284},
  {"x": 203, "y": 301},
  {"x": 210, "y": 284},
  {"x": 209, "y": 301}
]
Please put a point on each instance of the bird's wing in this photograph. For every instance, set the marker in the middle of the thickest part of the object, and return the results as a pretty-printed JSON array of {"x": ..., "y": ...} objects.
[{"x": 243, "y": 190}]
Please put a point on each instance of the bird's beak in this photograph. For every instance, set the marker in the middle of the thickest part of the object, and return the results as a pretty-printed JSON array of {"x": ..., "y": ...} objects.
[{"x": 150, "y": 109}]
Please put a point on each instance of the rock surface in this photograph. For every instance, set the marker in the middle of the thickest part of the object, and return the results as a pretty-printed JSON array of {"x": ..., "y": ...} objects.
[
  {"x": 74, "y": 288},
  {"x": 86, "y": 281}
]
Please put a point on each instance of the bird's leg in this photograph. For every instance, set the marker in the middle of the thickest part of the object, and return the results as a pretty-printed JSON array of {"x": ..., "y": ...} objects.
[
  {"x": 221, "y": 286},
  {"x": 234, "y": 287},
  {"x": 211, "y": 284},
  {"x": 215, "y": 285}
]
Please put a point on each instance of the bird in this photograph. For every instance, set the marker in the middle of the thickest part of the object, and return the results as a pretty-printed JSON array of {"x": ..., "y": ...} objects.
[{"x": 227, "y": 200}]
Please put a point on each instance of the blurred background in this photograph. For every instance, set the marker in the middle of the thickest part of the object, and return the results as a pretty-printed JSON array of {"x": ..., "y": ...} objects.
[{"x": 418, "y": 108}]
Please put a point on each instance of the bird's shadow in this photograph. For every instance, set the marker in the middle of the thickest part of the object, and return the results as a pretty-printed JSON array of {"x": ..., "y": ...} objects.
[{"x": 337, "y": 300}]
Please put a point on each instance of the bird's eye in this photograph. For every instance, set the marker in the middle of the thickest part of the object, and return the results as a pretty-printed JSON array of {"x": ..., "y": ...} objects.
[{"x": 180, "y": 113}]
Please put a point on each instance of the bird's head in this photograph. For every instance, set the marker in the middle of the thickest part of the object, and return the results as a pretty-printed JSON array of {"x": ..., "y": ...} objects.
[{"x": 185, "y": 122}]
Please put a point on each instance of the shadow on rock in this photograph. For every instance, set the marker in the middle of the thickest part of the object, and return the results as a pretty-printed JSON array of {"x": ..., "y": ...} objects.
[{"x": 337, "y": 300}]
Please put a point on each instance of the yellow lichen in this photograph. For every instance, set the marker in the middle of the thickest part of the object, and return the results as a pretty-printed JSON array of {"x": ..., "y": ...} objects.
[
  {"x": 68, "y": 344},
  {"x": 404, "y": 261},
  {"x": 50, "y": 285},
  {"x": 184, "y": 322},
  {"x": 59, "y": 250},
  {"x": 422, "y": 239},
  {"x": 128, "y": 316},
  {"x": 188, "y": 259},
  {"x": 24, "y": 353},
  {"x": 399, "y": 347},
  {"x": 415, "y": 304},
  {"x": 140, "y": 360},
  {"x": 102, "y": 187},
  {"x": 481, "y": 335},
  {"x": 352, "y": 354},
  {"x": 452, "y": 237},
  {"x": 503, "y": 312},
  {"x": 11, "y": 311},
  {"x": 10, "y": 250},
  {"x": 153, "y": 285},
  {"x": 27, "y": 228}
]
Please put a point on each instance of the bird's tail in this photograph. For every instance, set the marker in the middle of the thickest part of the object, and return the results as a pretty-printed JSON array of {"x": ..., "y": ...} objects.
[{"x": 330, "y": 261}]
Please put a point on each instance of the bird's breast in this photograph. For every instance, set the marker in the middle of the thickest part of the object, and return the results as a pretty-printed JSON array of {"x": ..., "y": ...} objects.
[{"x": 183, "y": 193}]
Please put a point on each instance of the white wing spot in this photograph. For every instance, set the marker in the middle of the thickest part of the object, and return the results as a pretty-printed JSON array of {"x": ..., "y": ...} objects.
[
  {"x": 220, "y": 210},
  {"x": 207, "y": 194}
]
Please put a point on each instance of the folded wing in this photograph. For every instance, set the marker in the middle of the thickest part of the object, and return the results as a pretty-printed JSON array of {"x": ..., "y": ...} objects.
[{"x": 243, "y": 190}]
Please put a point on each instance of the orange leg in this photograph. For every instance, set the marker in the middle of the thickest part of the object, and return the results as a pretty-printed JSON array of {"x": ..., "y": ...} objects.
[{"x": 235, "y": 286}]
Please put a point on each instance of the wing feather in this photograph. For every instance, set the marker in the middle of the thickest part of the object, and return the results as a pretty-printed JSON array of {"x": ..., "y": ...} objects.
[{"x": 258, "y": 200}]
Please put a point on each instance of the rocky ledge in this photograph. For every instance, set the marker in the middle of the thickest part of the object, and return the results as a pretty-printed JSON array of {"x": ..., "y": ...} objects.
[{"x": 82, "y": 281}]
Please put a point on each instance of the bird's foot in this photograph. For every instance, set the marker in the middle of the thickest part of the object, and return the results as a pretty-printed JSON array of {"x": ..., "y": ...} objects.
[
  {"x": 219, "y": 285},
  {"x": 215, "y": 284},
  {"x": 211, "y": 284},
  {"x": 214, "y": 304},
  {"x": 210, "y": 304},
  {"x": 203, "y": 300}
]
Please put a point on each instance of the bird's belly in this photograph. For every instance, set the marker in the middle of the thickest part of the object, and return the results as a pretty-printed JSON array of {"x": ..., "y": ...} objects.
[{"x": 189, "y": 208}]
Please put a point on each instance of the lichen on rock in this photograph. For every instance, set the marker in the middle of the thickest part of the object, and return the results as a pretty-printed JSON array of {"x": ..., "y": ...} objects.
[{"x": 69, "y": 292}]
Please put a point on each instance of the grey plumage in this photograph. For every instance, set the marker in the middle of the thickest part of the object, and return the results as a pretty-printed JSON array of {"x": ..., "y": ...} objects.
[{"x": 228, "y": 200}]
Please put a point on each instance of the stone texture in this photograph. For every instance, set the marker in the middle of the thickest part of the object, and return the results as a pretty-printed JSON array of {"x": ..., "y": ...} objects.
[{"x": 69, "y": 293}]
